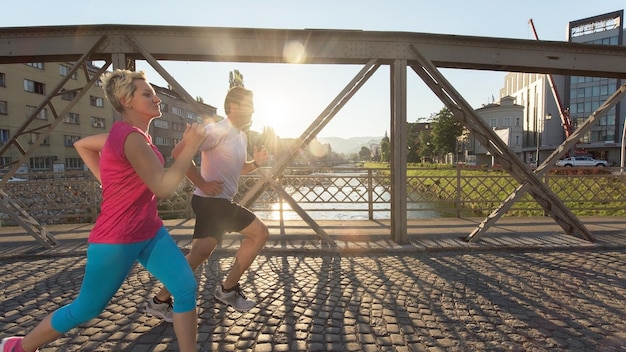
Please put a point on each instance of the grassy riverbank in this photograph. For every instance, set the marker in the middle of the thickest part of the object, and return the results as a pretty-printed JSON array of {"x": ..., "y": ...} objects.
[{"x": 584, "y": 191}]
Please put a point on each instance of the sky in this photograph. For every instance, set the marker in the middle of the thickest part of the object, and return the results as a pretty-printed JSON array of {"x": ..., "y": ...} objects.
[{"x": 288, "y": 98}]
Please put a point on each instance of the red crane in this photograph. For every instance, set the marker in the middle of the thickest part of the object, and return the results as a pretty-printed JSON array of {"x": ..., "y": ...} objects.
[{"x": 566, "y": 120}]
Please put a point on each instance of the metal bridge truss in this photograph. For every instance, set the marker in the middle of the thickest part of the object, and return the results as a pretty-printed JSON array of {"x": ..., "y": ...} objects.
[{"x": 121, "y": 45}]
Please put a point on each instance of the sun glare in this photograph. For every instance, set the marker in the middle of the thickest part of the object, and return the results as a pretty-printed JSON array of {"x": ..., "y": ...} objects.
[
  {"x": 274, "y": 114},
  {"x": 294, "y": 52}
]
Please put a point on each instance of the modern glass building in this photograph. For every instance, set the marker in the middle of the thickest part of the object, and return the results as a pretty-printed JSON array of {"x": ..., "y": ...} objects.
[{"x": 583, "y": 95}]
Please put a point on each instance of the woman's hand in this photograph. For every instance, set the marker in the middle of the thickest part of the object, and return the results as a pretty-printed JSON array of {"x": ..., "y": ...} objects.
[{"x": 194, "y": 135}]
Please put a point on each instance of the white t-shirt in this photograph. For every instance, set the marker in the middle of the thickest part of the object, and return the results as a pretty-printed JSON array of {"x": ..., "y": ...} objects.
[{"x": 223, "y": 154}]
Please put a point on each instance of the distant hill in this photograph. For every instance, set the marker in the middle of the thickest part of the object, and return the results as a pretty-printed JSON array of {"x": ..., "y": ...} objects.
[{"x": 349, "y": 145}]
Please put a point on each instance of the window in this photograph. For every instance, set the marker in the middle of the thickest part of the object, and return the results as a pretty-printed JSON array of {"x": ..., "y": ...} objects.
[
  {"x": 38, "y": 65},
  {"x": 178, "y": 127},
  {"x": 69, "y": 140},
  {"x": 34, "y": 87},
  {"x": 96, "y": 101},
  {"x": 73, "y": 164},
  {"x": 604, "y": 90},
  {"x": 507, "y": 122},
  {"x": 178, "y": 111},
  {"x": 69, "y": 95},
  {"x": 518, "y": 122},
  {"x": 164, "y": 107},
  {"x": 192, "y": 115},
  {"x": 42, "y": 115},
  {"x": 64, "y": 71},
  {"x": 41, "y": 163},
  {"x": 71, "y": 118},
  {"x": 4, "y": 136},
  {"x": 5, "y": 161},
  {"x": 162, "y": 141},
  {"x": 161, "y": 124},
  {"x": 595, "y": 91},
  {"x": 97, "y": 122},
  {"x": 32, "y": 138},
  {"x": 4, "y": 108},
  {"x": 493, "y": 123},
  {"x": 3, "y": 80},
  {"x": 184, "y": 113}
]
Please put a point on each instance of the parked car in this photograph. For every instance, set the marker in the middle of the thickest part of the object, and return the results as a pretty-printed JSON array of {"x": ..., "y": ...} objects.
[
  {"x": 16, "y": 179},
  {"x": 582, "y": 161}
]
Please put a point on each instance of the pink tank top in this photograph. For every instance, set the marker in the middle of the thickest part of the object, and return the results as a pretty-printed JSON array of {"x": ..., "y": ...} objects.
[{"x": 129, "y": 209}]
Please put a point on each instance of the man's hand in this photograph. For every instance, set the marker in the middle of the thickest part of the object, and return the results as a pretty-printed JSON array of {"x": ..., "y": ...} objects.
[{"x": 260, "y": 155}]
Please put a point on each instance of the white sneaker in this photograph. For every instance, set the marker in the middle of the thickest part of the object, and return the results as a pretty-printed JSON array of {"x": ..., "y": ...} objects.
[
  {"x": 234, "y": 298},
  {"x": 160, "y": 310}
]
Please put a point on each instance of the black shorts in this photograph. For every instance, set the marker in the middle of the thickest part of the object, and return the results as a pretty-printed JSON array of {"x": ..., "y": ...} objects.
[{"x": 217, "y": 216}]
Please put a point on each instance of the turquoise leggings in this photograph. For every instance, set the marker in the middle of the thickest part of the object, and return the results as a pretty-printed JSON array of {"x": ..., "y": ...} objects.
[{"x": 107, "y": 267}]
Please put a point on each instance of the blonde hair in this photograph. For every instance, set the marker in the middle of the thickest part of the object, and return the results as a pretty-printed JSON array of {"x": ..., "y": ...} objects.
[{"x": 119, "y": 85}]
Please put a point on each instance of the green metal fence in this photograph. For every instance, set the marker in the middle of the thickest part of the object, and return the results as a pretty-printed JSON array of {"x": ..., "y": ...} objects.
[{"x": 358, "y": 193}]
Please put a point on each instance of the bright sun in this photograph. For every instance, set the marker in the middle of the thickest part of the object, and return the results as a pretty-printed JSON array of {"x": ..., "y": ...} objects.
[{"x": 272, "y": 113}]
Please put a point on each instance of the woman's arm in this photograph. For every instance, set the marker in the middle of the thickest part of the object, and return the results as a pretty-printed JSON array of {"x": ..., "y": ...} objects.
[
  {"x": 89, "y": 149},
  {"x": 194, "y": 175},
  {"x": 160, "y": 181}
]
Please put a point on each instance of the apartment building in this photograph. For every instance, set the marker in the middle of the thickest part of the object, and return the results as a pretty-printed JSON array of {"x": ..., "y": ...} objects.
[
  {"x": 23, "y": 87},
  {"x": 168, "y": 130}
]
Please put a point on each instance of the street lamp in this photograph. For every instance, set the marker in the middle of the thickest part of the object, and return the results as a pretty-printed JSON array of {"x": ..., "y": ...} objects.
[{"x": 540, "y": 128}]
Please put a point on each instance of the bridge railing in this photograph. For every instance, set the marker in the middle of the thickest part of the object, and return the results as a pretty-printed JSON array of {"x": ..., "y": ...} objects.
[{"x": 358, "y": 193}]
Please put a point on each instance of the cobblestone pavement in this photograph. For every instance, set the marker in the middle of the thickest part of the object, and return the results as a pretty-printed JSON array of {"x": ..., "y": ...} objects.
[{"x": 504, "y": 300}]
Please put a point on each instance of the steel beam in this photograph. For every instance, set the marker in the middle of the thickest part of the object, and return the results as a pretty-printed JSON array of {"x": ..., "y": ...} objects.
[
  {"x": 398, "y": 143},
  {"x": 313, "y": 46}
]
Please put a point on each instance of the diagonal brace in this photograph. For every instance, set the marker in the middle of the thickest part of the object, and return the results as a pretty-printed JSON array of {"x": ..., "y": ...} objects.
[
  {"x": 541, "y": 170},
  {"x": 551, "y": 204}
]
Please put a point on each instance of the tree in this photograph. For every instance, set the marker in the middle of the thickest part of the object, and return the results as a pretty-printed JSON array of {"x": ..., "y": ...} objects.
[
  {"x": 425, "y": 146},
  {"x": 446, "y": 129},
  {"x": 385, "y": 149},
  {"x": 365, "y": 153},
  {"x": 413, "y": 145},
  {"x": 235, "y": 79}
]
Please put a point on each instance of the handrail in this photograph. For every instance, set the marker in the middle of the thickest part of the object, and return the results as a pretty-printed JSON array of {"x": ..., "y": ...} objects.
[{"x": 359, "y": 193}]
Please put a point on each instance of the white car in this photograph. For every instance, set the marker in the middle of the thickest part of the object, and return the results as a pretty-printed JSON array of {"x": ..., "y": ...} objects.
[
  {"x": 16, "y": 179},
  {"x": 582, "y": 161}
]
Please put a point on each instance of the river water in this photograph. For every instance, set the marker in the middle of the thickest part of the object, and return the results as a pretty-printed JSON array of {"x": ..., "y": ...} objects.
[
  {"x": 317, "y": 195},
  {"x": 427, "y": 209}
]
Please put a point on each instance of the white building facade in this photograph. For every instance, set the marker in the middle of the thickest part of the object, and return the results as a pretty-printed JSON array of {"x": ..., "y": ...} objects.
[{"x": 506, "y": 119}]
